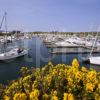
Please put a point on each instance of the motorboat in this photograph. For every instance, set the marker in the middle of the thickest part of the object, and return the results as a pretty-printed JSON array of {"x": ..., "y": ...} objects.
[
  {"x": 65, "y": 44},
  {"x": 76, "y": 40},
  {"x": 14, "y": 53}
]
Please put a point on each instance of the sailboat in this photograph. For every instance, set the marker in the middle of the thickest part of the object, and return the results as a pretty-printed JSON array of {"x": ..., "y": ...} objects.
[
  {"x": 95, "y": 60},
  {"x": 14, "y": 52}
]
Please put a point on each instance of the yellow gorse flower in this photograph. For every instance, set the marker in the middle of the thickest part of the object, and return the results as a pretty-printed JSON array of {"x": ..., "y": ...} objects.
[
  {"x": 34, "y": 94},
  {"x": 65, "y": 96},
  {"x": 54, "y": 96},
  {"x": 55, "y": 93},
  {"x": 49, "y": 82},
  {"x": 20, "y": 96},
  {"x": 84, "y": 69},
  {"x": 89, "y": 87},
  {"x": 68, "y": 96},
  {"x": 75, "y": 63},
  {"x": 6, "y": 98}
]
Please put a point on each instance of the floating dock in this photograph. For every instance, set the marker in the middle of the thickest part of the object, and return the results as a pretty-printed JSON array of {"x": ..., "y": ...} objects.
[{"x": 71, "y": 50}]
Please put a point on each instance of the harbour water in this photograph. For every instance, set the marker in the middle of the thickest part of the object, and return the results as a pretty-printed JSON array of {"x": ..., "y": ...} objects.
[{"x": 38, "y": 56}]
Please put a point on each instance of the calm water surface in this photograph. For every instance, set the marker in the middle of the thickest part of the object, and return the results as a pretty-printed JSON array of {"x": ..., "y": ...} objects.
[{"x": 38, "y": 56}]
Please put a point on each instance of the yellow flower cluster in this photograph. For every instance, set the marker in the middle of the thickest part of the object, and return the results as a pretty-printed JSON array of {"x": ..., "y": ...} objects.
[
  {"x": 68, "y": 96},
  {"x": 60, "y": 82},
  {"x": 75, "y": 63},
  {"x": 20, "y": 96},
  {"x": 6, "y": 98},
  {"x": 34, "y": 94},
  {"x": 54, "y": 96},
  {"x": 89, "y": 87}
]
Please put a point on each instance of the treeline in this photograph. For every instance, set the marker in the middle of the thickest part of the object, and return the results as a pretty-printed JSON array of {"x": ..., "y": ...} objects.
[{"x": 67, "y": 33}]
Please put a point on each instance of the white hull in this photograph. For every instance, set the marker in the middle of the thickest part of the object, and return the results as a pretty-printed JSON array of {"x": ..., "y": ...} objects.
[
  {"x": 65, "y": 44},
  {"x": 94, "y": 60},
  {"x": 12, "y": 54}
]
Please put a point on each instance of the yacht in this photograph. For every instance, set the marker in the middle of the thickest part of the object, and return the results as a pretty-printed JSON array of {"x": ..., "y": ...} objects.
[
  {"x": 65, "y": 44},
  {"x": 95, "y": 60},
  {"x": 14, "y": 53}
]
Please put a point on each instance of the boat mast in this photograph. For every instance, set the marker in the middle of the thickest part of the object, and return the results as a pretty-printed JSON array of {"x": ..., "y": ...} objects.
[
  {"x": 6, "y": 27},
  {"x": 94, "y": 42},
  {"x": 6, "y": 22},
  {"x": 5, "y": 38},
  {"x": 2, "y": 21}
]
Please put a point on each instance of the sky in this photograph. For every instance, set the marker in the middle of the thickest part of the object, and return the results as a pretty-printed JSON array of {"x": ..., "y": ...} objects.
[{"x": 51, "y": 15}]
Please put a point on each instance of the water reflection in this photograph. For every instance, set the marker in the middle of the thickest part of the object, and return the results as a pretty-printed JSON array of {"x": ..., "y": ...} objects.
[{"x": 38, "y": 56}]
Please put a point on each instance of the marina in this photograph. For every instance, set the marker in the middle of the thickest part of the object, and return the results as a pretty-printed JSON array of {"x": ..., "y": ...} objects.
[
  {"x": 71, "y": 44},
  {"x": 38, "y": 49},
  {"x": 49, "y": 50}
]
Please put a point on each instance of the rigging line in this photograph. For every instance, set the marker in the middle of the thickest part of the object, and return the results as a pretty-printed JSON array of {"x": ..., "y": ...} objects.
[
  {"x": 2, "y": 21},
  {"x": 93, "y": 46}
]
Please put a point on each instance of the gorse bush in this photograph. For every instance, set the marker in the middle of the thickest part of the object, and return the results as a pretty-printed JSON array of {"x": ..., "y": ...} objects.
[{"x": 60, "y": 82}]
